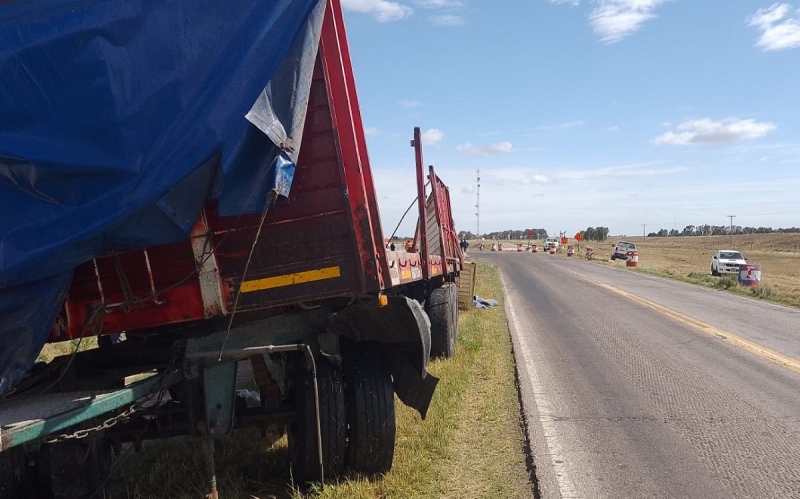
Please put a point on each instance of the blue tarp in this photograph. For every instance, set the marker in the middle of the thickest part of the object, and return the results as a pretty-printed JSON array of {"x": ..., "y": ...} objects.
[{"x": 119, "y": 120}]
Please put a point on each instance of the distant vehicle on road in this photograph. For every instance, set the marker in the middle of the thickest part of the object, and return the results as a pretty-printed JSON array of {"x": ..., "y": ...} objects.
[
  {"x": 621, "y": 249},
  {"x": 550, "y": 241},
  {"x": 726, "y": 262}
]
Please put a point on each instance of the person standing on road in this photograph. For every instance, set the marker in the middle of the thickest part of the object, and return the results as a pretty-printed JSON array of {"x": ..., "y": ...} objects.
[{"x": 464, "y": 246}]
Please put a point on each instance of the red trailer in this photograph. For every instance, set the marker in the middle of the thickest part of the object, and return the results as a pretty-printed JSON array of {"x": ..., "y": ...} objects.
[{"x": 330, "y": 321}]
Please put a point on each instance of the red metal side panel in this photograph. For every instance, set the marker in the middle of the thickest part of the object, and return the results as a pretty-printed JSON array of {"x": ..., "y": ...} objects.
[
  {"x": 449, "y": 250},
  {"x": 349, "y": 131},
  {"x": 312, "y": 230},
  {"x": 136, "y": 289},
  {"x": 323, "y": 241}
]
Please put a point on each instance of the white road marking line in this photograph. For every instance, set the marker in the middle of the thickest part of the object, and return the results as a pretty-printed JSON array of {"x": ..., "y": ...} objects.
[{"x": 557, "y": 461}]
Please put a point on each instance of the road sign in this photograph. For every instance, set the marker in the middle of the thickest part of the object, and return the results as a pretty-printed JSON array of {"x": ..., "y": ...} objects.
[{"x": 579, "y": 237}]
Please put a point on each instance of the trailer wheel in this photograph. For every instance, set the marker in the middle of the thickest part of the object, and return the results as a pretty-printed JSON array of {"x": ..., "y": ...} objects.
[
  {"x": 442, "y": 308},
  {"x": 370, "y": 411},
  {"x": 302, "y": 431},
  {"x": 74, "y": 469}
]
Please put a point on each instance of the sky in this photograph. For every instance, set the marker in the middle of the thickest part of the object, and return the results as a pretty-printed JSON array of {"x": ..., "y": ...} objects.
[{"x": 634, "y": 115}]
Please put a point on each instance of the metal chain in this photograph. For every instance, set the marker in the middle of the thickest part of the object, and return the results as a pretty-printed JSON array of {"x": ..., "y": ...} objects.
[
  {"x": 127, "y": 413},
  {"x": 85, "y": 432}
]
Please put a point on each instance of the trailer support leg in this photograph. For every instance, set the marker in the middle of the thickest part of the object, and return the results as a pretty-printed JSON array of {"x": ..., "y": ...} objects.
[{"x": 208, "y": 455}]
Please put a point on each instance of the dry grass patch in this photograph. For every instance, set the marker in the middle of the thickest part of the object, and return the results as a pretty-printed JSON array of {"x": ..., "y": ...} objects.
[
  {"x": 52, "y": 350},
  {"x": 689, "y": 259},
  {"x": 470, "y": 446}
]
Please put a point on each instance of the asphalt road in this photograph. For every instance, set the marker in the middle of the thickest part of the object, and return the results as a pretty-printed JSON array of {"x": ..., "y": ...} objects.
[{"x": 638, "y": 387}]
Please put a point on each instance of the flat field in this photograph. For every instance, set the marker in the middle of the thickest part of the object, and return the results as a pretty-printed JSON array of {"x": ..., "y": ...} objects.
[{"x": 689, "y": 259}]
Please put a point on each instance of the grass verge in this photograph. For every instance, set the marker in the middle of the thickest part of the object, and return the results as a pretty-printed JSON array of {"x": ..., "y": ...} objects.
[
  {"x": 470, "y": 446},
  {"x": 727, "y": 283}
]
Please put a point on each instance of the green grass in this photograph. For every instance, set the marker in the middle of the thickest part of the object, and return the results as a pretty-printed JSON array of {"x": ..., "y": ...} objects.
[
  {"x": 52, "y": 350},
  {"x": 471, "y": 444},
  {"x": 728, "y": 282}
]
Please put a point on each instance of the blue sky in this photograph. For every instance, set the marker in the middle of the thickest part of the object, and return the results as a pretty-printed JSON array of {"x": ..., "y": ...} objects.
[{"x": 582, "y": 113}]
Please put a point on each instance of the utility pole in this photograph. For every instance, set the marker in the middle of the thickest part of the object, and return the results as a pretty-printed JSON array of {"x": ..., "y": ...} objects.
[
  {"x": 644, "y": 229},
  {"x": 478, "y": 205},
  {"x": 731, "y": 217}
]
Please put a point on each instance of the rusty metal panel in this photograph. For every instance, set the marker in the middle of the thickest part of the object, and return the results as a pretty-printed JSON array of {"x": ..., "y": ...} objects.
[{"x": 132, "y": 290}]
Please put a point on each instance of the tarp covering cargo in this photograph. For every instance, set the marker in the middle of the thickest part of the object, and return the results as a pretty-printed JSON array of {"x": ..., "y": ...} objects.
[{"x": 118, "y": 121}]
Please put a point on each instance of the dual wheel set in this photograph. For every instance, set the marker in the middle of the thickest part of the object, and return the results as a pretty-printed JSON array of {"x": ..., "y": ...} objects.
[
  {"x": 356, "y": 403},
  {"x": 356, "y": 422},
  {"x": 356, "y": 417}
]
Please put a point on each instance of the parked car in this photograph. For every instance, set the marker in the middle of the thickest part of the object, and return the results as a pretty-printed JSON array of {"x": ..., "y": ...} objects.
[
  {"x": 726, "y": 262},
  {"x": 551, "y": 242},
  {"x": 621, "y": 249}
]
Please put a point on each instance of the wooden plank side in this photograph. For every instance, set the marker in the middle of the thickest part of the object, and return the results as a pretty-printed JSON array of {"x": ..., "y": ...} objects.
[{"x": 466, "y": 286}]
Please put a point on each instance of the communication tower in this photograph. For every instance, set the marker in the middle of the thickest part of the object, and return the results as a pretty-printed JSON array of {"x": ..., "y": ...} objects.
[{"x": 478, "y": 205}]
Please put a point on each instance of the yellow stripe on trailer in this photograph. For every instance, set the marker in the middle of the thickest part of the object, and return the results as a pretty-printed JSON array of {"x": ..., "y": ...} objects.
[{"x": 290, "y": 279}]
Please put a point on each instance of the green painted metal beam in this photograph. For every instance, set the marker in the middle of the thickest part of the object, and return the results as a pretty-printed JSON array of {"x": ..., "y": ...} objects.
[{"x": 30, "y": 418}]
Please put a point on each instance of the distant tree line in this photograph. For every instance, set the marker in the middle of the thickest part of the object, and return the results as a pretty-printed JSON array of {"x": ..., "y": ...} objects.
[
  {"x": 590, "y": 234},
  {"x": 595, "y": 234},
  {"x": 719, "y": 230},
  {"x": 600, "y": 234},
  {"x": 509, "y": 234}
]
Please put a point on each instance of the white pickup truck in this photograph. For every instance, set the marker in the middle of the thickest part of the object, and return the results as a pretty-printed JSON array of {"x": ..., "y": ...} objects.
[
  {"x": 551, "y": 242},
  {"x": 621, "y": 250},
  {"x": 726, "y": 262}
]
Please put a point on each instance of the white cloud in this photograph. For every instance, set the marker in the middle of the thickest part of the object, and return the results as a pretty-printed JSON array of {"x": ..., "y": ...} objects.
[
  {"x": 612, "y": 129},
  {"x": 486, "y": 150},
  {"x": 536, "y": 179},
  {"x": 629, "y": 170},
  {"x": 448, "y": 20},
  {"x": 432, "y": 136},
  {"x": 563, "y": 126},
  {"x": 572, "y": 3},
  {"x": 451, "y": 12},
  {"x": 779, "y": 29},
  {"x": 557, "y": 126},
  {"x": 369, "y": 131},
  {"x": 468, "y": 189},
  {"x": 439, "y": 4},
  {"x": 514, "y": 177},
  {"x": 615, "y": 20},
  {"x": 410, "y": 103},
  {"x": 706, "y": 131},
  {"x": 383, "y": 10}
]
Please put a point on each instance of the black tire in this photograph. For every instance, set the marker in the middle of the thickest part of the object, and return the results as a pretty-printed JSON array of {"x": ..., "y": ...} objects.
[
  {"x": 454, "y": 309},
  {"x": 74, "y": 469},
  {"x": 442, "y": 309},
  {"x": 302, "y": 431},
  {"x": 370, "y": 411},
  {"x": 714, "y": 272}
]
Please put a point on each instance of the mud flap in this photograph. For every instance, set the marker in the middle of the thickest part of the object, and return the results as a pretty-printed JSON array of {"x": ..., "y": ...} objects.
[
  {"x": 412, "y": 389},
  {"x": 404, "y": 332}
]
